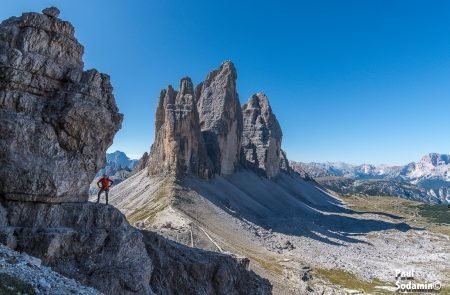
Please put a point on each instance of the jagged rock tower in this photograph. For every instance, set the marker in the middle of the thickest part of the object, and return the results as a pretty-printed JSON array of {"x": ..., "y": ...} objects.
[
  {"x": 221, "y": 117},
  {"x": 261, "y": 137},
  {"x": 179, "y": 147},
  {"x": 56, "y": 120},
  {"x": 207, "y": 132}
]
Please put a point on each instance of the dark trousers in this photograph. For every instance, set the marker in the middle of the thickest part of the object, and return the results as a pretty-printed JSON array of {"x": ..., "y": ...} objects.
[{"x": 106, "y": 194}]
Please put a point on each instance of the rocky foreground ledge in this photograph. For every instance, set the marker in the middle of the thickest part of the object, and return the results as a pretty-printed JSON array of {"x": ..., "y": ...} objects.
[
  {"x": 24, "y": 274},
  {"x": 95, "y": 245},
  {"x": 91, "y": 243},
  {"x": 56, "y": 122}
]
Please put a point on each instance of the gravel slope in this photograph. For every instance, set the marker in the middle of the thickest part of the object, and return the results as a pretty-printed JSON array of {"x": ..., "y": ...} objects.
[
  {"x": 289, "y": 228},
  {"x": 21, "y": 272}
]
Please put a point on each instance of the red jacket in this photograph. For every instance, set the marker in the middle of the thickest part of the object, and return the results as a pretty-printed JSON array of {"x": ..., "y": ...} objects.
[{"x": 105, "y": 182}]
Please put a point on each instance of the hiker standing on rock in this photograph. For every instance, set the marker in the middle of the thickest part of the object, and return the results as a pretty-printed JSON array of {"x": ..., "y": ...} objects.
[{"x": 104, "y": 183}]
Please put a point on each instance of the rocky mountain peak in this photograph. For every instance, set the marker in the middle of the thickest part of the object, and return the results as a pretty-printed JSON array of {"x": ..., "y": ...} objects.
[
  {"x": 119, "y": 158},
  {"x": 218, "y": 136},
  {"x": 435, "y": 159},
  {"x": 261, "y": 137},
  {"x": 51, "y": 11},
  {"x": 186, "y": 94},
  {"x": 221, "y": 117},
  {"x": 226, "y": 73},
  {"x": 258, "y": 100},
  {"x": 178, "y": 147},
  {"x": 164, "y": 97}
]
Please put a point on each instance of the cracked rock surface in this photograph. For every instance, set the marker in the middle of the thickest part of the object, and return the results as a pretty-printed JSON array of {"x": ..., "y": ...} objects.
[
  {"x": 179, "y": 147},
  {"x": 221, "y": 117},
  {"x": 261, "y": 138},
  {"x": 20, "y": 272},
  {"x": 56, "y": 119}
]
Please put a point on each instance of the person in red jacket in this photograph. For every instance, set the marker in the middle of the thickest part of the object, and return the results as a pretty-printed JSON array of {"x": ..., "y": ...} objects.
[{"x": 104, "y": 183}]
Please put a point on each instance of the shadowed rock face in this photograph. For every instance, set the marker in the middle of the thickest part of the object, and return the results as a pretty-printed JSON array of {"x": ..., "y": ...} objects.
[
  {"x": 56, "y": 120},
  {"x": 183, "y": 270},
  {"x": 261, "y": 137},
  {"x": 284, "y": 163},
  {"x": 91, "y": 243},
  {"x": 178, "y": 147},
  {"x": 221, "y": 117}
]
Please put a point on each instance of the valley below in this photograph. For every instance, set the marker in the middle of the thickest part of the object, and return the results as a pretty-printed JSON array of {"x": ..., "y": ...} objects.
[{"x": 301, "y": 237}]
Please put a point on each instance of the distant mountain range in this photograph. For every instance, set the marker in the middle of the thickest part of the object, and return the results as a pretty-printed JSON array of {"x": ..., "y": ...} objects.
[
  {"x": 117, "y": 161},
  {"x": 427, "y": 180},
  {"x": 118, "y": 167}
]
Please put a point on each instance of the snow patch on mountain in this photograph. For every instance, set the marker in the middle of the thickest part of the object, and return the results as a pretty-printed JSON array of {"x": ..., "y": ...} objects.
[
  {"x": 117, "y": 161},
  {"x": 429, "y": 177}
]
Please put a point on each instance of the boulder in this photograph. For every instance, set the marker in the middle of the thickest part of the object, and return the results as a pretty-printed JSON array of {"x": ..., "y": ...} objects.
[
  {"x": 183, "y": 270},
  {"x": 221, "y": 117},
  {"x": 93, "y": 244},
  {"x": 179, "y": 147},
  {"x": 51, "y": 11},
  {"x": 56, "y": 120},
  {"x": 261, "y": 137}
]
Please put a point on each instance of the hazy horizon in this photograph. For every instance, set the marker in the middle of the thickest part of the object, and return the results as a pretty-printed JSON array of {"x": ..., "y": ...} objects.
[
  {"x": 354, "y": 81},
  {"x": 138, "y": 156}
]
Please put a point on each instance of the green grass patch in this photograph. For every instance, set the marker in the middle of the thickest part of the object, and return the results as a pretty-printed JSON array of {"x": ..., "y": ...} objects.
[
  {"x": 439, "y": 214},
  {"x": 269, "y": 265},
  {"x": 431, "y": 217},
  {"x": 142, "y": 214},
  {"x": 349, "y": 281},
  {"x": 159, "y": 201},
  {"x": 10, "y": 285}
]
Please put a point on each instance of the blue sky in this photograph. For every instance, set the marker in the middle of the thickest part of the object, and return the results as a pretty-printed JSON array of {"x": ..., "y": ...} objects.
[{"x": 354, "y": 81}]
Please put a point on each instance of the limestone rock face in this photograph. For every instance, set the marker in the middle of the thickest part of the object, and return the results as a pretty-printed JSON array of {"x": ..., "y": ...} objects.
[
  {"x": 179, "y": 147},
  {"x": 183, "y": 270},
  {"x": 221, "y": 117},
  {"x": 261, "y": 138},
  {"x": 56, "y": 120},
  {"x": 91, "y": 243}
]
